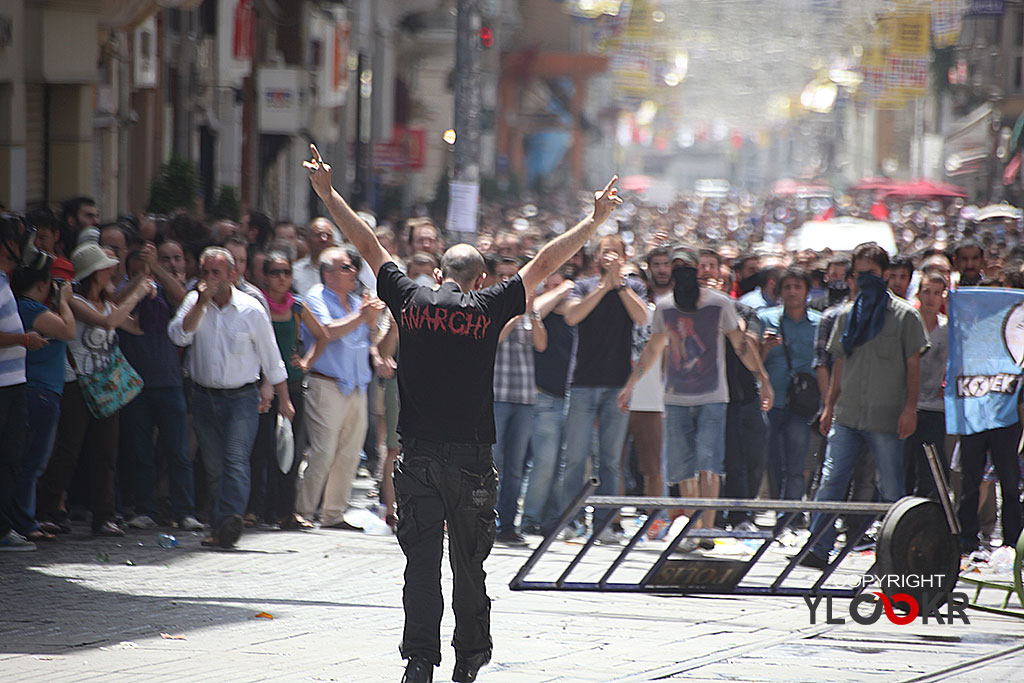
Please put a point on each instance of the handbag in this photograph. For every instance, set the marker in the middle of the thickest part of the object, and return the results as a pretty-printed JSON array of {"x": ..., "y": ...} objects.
[
  {"x": 802, "y": 396},
  {"x": 108, "y": 390}
]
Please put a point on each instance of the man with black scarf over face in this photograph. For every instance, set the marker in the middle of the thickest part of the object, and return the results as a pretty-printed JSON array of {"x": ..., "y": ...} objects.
[
  {"x": 877, "y": 342},
  {"x": 694, "y": 324}
]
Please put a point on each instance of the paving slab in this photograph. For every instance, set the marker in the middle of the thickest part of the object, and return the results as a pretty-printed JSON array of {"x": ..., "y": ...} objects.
[{"x": 84, "y": 609}]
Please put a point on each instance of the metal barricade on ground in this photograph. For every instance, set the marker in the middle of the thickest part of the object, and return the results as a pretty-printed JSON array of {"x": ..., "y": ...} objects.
[{"x": 914, "y": 539}]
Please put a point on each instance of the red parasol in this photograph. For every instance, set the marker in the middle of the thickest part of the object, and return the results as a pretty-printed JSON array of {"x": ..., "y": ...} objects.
[
  {"x": 635, "y": 183},
  {"x": 924, "y": 188}
]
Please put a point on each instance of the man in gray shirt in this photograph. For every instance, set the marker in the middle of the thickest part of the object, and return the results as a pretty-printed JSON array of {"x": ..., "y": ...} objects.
[
  {"x": 931, "y": 409},
  {"x": 877, "y": 342}
]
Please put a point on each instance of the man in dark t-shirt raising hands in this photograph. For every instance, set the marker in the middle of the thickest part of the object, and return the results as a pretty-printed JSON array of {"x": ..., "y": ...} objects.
[{"x": 445, "y": 473}]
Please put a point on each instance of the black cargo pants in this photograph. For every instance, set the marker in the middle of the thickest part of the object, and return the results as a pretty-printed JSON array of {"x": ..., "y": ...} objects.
[{"x": 437, "y": 483}]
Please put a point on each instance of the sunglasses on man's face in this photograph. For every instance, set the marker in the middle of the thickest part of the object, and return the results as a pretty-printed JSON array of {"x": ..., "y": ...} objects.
[
  {"x": 276, "y": 272},
  {"x": 345, "y": 268}
]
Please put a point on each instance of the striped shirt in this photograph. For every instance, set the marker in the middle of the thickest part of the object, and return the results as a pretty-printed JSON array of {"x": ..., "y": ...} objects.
[
  {"x": 513, "y": 365},
  {"x": 12, "y": 358}
]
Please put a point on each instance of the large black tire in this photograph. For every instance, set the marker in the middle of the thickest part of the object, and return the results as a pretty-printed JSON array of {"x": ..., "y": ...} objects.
[{"x": 915, "y": 540}]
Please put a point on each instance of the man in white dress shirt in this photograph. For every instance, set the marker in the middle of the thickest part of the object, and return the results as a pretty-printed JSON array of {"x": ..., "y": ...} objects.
[{"x": 232, "y": 340}]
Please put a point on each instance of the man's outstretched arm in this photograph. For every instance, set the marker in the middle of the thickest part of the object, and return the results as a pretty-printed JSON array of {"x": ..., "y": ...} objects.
[
  {"x": 355, "y": 229},
  {"x": 559, "y": 250}
]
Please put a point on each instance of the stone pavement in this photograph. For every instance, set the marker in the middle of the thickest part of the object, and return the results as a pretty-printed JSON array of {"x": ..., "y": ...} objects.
[{"x": 86, "y": 609}]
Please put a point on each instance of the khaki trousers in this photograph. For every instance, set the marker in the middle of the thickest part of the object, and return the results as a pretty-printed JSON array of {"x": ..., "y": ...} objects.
[{"x": 336, "y": 426}]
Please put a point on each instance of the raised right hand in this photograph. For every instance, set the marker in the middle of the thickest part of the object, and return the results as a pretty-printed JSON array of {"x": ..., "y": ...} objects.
[
  {"x": 205, "y": 292},
  {"x": 319, "y": 173},
  {"x": 605, "y": 201}
]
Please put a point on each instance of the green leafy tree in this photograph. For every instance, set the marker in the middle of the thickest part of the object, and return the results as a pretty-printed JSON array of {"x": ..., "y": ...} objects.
[
  {"x": 177, "y": 187},
  {"x": 227, "y": 203}
]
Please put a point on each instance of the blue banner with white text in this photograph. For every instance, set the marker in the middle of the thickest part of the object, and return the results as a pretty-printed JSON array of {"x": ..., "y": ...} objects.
[{"x": 986, "y": 354}]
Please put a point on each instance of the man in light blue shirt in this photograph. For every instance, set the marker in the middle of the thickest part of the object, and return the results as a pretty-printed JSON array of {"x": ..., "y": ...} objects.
[
  {"x": 765, "y": 294},
  {"x": 338, "y": 356},
  {"x": 787, "y": 350}
]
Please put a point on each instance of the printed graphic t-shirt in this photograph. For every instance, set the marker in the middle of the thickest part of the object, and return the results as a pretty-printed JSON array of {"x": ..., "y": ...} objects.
[
  {"x": 448, "y": 339},
  {"x": 695, "y": 362}
]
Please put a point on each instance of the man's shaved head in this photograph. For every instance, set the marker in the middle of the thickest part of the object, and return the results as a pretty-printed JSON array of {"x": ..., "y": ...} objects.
[{"x": 463, "y": 264}]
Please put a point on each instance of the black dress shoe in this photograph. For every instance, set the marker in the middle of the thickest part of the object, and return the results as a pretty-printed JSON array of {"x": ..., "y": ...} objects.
[
  {"x": 466, "y": 668},
  {"x": 418, "y": 671}
]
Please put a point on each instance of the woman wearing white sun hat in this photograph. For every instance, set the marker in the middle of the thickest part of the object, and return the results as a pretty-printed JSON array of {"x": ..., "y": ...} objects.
[{"x": 97, "y": 320}]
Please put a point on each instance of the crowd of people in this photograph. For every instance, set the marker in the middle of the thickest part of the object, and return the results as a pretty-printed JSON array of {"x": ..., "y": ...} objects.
[{"x": 685, "y": 351}]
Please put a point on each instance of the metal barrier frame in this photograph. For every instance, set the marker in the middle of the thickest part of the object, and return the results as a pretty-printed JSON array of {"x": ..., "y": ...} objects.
[{"x": 789, "y": 508}]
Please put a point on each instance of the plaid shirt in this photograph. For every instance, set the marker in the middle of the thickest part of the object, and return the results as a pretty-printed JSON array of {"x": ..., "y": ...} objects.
[
  {"x": 822, "y": 358},
  {"x": 513, "y": 365}
]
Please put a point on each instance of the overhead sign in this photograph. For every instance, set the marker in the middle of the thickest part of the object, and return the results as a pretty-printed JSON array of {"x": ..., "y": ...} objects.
[{"x": 280, "y": 100}]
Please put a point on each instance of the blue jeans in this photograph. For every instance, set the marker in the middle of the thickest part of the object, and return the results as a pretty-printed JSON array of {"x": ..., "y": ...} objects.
[
  {"x": 788, "y": 438},
  {"x": 162, "y": 408},
  {"x": 225, "y": 427},
  {"x": 43, "y": 414},
  {"x": 696, "y": 440},
  {"x": 587, "y": 404},
  {"x": 512, "y": 426},
  {"x": 542, "y": 504},
  {"x": 845, "y": 447}
]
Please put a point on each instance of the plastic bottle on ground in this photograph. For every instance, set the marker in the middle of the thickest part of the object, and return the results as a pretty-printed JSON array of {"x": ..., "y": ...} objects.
[{"x": 166, "y": 541}]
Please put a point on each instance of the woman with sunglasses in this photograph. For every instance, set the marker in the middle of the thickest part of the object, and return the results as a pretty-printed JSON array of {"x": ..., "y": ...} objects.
[{"x": 272, "y": 495}]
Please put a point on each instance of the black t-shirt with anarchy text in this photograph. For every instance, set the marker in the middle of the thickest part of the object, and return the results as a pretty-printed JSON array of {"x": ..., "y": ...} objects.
[{"x": 448, "y": 339}]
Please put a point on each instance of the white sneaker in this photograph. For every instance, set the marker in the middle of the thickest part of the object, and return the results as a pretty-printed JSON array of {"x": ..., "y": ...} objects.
[
  {"x": 142, "y": 522},
  {"x": 190, "y": 523},
  {"x": 15, "y": 542}
]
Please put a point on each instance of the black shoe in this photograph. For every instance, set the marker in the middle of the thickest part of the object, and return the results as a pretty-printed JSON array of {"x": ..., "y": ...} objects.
[
  {"x": 342, "y": 525},
  {"x": 813, "y": 561},
  {"x": 466, "y": 668},
  {"x": 510, "y": 538},
  {"x": 418, "y": 671},
  {"x": 230, "y": 531}
]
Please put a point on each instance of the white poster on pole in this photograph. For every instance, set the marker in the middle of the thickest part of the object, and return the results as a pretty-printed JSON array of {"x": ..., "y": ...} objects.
[{"x": 462, "y": 205}]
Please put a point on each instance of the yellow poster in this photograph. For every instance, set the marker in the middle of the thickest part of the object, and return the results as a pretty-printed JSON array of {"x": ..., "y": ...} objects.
[{"x": 911, "y": 37}]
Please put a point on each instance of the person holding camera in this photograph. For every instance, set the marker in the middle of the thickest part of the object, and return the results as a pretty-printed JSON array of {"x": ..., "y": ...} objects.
[{"x": 44, "y": 370}]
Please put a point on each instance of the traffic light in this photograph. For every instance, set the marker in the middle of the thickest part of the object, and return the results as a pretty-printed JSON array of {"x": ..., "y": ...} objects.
[{"x": 486, "y": 36}]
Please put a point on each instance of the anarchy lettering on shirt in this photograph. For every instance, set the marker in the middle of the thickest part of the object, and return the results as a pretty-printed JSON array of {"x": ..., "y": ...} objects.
[
  {"x": 976, "y": 386},
  {"x": 461, "y": 323}
]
